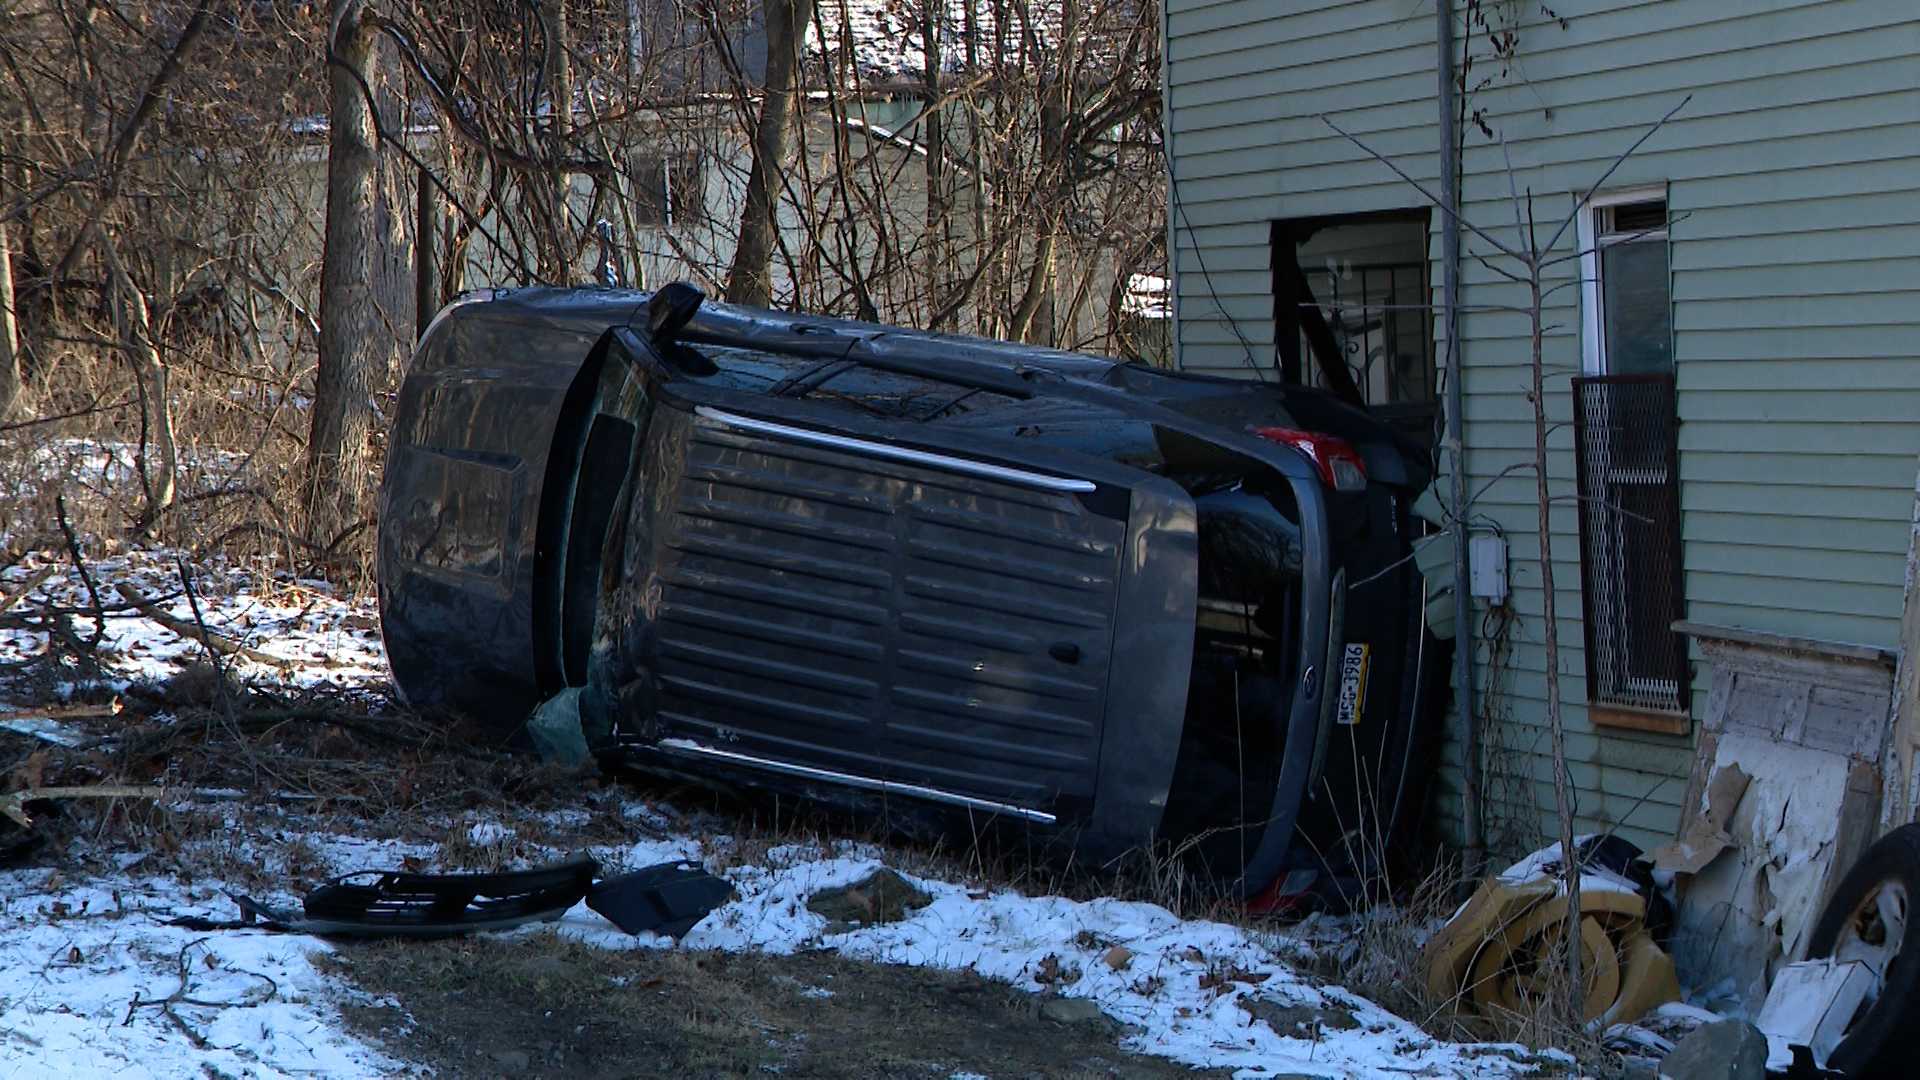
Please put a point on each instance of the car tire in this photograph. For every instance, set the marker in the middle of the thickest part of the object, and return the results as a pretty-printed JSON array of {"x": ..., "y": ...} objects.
[{"x": 1869, "y": 917}]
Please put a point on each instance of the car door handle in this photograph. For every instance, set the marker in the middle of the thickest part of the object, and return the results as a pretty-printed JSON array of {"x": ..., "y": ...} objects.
[{"x": 1064, "y": 651}]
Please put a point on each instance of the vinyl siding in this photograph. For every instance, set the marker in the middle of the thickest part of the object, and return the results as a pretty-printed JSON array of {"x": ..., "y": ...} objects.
[{"x": 1794, "y": 173}]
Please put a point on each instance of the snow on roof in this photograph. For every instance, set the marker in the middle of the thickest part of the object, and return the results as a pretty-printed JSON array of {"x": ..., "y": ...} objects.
[
  {"x": 888, "y": 38},
  {"x": 1147, "y": 297}
]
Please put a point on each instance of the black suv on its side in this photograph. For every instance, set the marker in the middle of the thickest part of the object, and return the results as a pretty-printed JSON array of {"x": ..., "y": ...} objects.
[{"x": 865, "y": 562}]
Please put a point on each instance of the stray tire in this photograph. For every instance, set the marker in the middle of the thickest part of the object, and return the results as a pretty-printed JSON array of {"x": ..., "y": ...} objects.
[{"x": 1870, "y": 919}]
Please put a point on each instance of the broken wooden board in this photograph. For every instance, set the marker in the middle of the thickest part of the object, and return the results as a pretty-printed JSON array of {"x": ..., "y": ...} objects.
[{"x": 1804, "y": 818}]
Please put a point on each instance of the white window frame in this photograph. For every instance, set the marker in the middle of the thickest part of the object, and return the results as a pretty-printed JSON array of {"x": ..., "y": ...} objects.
[{"x": 1593, "y": 328}]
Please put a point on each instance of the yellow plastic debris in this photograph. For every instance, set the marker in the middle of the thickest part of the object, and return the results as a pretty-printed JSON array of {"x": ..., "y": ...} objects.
[{"x": 1504, "y": 950}]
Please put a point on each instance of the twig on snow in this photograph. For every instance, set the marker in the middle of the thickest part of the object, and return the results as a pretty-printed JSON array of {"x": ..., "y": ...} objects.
[
  {"x": 80, "y": 564},
  {"x": 187, "y": 629},
  {"x": 33, "y": 582}
]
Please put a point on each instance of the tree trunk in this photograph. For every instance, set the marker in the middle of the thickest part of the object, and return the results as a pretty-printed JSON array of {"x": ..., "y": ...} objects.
[
  {"x": 556, "y": 245},
  {"x": 1550, "y": 632},
  {"x": 635, "y": 44},
  {"x": 975, "y": 156},
  {"x": 9, "y": 334},
  {"x": 159, "y": 460},
  {"x": 939, "y": 224},
  {"x": 1026, "y": 324},
  {"x": 750, "y": 278},
  {"x": 1033, "y": 319},
  {"x": 357, "y": 342},
  {"x": 134, "y": 325},
  {"x": 395, "y": 198}
]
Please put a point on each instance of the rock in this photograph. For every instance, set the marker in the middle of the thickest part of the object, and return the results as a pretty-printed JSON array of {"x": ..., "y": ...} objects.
[
  {"x": 1072, "y": 1011},
  {"x": 1727, "y": 1050},
  {"x": 199, "y": 683},
  {"x": 512, "y": 1061},
  {"x": 881, "y": 897},
  {"x": 1299, "y": 1021}
]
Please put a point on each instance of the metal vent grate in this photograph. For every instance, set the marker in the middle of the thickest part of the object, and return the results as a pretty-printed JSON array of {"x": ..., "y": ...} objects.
[{"x": 1627, "y": 456}]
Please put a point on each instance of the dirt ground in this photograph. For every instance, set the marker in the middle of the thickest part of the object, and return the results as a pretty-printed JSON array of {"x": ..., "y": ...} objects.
[{"x": 539, "y": 1006}]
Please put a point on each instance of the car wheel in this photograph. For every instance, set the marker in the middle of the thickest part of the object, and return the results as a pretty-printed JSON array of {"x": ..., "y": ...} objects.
[{"x": 1870, "y": 919}]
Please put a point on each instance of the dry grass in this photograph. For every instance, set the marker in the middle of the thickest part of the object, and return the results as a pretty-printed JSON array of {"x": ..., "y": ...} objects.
[
  {"x": 589, "y": 1012},
  {"x": 240, "y": 428}
]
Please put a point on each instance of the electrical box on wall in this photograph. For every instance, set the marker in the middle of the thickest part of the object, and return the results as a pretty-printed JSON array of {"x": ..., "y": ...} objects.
[{"x": 1487, "y": 568}]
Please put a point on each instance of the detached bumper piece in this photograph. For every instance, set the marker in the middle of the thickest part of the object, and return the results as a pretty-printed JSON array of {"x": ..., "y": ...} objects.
[
  {"x": 397, "y": 903},
  {"x": 400, "y": 904},
  {"x": 667, "y": 899}
]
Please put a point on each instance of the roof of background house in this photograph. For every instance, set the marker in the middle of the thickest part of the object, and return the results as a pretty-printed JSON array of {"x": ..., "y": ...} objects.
[{"x": 888, "y": 38}]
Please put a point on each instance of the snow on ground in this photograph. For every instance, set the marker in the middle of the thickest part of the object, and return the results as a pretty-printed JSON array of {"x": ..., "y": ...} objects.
[
  {"x": 97, "y": 984},
  {"x": 1181, "y": 984},
  {"x": 321, "y": 637}
]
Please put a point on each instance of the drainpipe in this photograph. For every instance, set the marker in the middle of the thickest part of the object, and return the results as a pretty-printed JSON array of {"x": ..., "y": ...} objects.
[
  {"x": 426, "y": 299},
  {"x": 1467, "y": 730},
  {"x": 1173, "y": 196}
]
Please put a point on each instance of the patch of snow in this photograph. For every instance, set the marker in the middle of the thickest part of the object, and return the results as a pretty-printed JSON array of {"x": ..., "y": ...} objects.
[
  {"x": 485, "y": 833},
  {"x": 1182, "y": 988},
  {"x": 1148, "y": 296},
  {"x": 321, "y": 637},
  {"x": 80, "y": 966},
  {"x": 91, "y": 964},
  {"x": 46, "y": 729}
]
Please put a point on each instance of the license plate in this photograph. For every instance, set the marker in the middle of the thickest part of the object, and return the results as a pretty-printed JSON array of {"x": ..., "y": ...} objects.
[{"x": 1354, "y": 662}]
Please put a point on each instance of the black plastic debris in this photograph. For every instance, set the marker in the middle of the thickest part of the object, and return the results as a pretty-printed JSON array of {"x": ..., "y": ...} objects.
[
  {"x": 398, "y": 903},
  {"x": 665, "y": 899}
]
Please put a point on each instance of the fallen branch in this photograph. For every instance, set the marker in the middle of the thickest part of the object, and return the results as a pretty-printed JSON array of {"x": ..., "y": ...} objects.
[
  {"x": 180, "y": 997},
  {"x": 65, "y": 712},
  {"x": 186, "y": 629},
  {"x": 39, "y": 576},
  {"x": 80, "y": 566},
  {"x": 15, "y": 805}
]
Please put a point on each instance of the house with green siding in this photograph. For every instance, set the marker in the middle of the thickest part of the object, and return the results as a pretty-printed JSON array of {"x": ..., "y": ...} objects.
[{"x": 1731, "y": 345}]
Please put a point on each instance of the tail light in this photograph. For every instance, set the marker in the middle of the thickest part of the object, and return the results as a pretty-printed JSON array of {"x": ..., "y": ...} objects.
[{"x": 1339, "y": 463}]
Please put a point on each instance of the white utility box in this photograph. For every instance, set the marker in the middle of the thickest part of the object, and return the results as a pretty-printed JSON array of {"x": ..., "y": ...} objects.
[{"x": 1487, "y": 568}]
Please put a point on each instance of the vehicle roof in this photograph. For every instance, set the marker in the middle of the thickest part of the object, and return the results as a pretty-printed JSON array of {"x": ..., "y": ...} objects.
[{"x": 995, "y": 387}]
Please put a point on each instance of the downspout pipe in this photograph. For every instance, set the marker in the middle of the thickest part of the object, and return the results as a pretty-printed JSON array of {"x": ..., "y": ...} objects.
[
  {"x": 1173, "y": 196},
  {"x": 426, "y": 300},
  {"x": 1467, "y": 729}
]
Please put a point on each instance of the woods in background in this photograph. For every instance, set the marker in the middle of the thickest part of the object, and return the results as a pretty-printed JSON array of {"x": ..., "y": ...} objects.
[{"x": 224, "y": 225}]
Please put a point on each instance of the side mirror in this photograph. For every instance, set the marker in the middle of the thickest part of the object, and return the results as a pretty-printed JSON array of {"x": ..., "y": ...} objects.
[{"x": 671, "y": 309}]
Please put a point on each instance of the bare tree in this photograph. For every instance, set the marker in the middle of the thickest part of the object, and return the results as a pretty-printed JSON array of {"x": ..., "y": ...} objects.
[
  {"x": 208, "y": 227},
  {"x": 133, "y": 325},
  {"x": 9, "y": 332},
  {"x": 1528, "y": 260},
  {"x": 750, "y": 278},
  {"x": 358, "y": 301}
]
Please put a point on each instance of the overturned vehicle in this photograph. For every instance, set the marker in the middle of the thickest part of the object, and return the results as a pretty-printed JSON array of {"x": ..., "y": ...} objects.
[{"x": 1102, "y": 601}]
